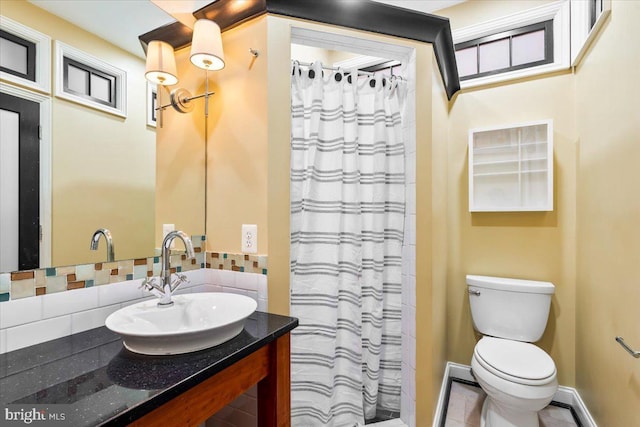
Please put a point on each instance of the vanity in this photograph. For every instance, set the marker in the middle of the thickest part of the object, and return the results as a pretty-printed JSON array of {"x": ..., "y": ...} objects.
[{"x": 91, "y": 379}]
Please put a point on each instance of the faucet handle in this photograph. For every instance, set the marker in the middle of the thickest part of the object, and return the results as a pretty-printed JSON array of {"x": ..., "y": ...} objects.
[
  {"x": 148, "y": 283},
  {"x": 180, "y": 279}
]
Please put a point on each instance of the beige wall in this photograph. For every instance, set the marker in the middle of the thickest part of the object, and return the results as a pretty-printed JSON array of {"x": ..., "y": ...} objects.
[
  {"x": 588, "y": 246},
  {"x": 236, "y": 143},
  {"x": 180, "y": 146},
  {"x": 608, "y": 214},
  {"x": 431, "y": 225},
  {"x": 103, "y": 166},
  {"x": 529, "y": 245},
  {"x": 237, "y": 161}
]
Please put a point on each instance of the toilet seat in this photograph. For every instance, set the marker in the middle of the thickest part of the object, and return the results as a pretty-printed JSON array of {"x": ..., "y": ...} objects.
[{"x": 515, "y": 361}]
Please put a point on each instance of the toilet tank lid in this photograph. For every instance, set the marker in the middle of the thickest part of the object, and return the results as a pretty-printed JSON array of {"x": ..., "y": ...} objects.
[{"x": 511, "y": 285}]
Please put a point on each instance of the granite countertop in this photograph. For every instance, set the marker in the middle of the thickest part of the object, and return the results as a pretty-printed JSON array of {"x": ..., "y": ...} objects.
[{"x": 90, "y": 379}]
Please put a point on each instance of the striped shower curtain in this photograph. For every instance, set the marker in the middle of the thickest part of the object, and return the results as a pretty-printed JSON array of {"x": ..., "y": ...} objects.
[{"x": 347, "y": 219}]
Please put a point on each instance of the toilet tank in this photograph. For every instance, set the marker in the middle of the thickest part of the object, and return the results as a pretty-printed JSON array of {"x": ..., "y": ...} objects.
[{"x": 509, "y": 308}]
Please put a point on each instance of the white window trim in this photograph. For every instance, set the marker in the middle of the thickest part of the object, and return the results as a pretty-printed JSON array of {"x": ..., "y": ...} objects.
[
  {"x": 45, "y": 164},
  {"x": 581, "y": 36},
  {"x": 43, "y": 56},
  {"x": 63, "y": 50},
  {"x": 558, "y": 11}
]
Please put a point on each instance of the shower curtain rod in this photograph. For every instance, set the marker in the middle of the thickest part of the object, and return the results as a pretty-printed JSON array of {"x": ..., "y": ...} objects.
[{"x": 325, "y": 67}]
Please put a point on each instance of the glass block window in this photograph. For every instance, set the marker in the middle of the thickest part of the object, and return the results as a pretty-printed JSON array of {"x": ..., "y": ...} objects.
[
  {"x": 17, "y": 56},
  {"x": 25, "y": 56},
  {"x": 511, "y": 50},
  {"x": 88, "y": 82}
]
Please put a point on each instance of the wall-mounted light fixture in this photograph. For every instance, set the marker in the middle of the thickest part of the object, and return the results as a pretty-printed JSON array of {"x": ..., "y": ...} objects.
[{"x": 206, "y": 53}]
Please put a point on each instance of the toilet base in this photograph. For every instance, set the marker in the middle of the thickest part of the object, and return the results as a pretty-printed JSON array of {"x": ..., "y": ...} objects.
[{"x": 498, "y": 416}]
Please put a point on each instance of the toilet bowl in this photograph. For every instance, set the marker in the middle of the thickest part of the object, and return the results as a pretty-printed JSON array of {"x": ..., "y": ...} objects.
[{"x": 519, "y": 378}]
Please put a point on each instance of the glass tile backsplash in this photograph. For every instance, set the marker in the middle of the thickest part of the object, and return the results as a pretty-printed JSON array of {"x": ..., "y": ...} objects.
[{"x": 23, "y": 284}]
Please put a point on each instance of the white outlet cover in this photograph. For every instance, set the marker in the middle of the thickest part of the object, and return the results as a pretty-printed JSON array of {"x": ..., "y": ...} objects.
[{"x": 249, "y": 242}]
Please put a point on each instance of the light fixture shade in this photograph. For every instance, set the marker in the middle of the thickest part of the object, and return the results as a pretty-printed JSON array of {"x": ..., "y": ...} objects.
[
  {"x": 206, "y": 45},
  {"x": 161, "y": 64}
]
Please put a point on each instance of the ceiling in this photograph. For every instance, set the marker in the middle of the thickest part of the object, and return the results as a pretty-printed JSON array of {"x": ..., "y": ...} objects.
[{"x": 121, "y": 22}]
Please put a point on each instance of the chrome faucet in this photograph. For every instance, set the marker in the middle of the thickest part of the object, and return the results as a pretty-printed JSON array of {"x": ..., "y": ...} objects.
[
  {"x": 166, "y": 288},
  {"x": 108, "y": 238}
]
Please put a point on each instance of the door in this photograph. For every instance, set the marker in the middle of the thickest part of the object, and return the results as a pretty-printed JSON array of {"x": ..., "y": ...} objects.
[{"x": 19, "y": 184}]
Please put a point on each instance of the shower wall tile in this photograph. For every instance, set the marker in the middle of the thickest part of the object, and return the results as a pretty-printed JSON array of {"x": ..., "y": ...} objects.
[
  {"x": 21, "y": 311},
  {"x": 22, "y": 288},
  {"x": 36, "y": 332},
  {"x": 5, "y": 282},
  {"x": 84, "y": 272},
  {"x": 41, "y": 278},
  {"x": 247, "y": 281},
  {"x": 411, "y": 223},
  {"x": 85, "y": 320},
  {"x": 119, "y": 292},
  {"x": 262, "y": 286},
  {"x": 61, "y": 303},
  {"x": 56, "y": 284},
  {"x": 411, "y": 197},
  {"x": 407, "y": 397},
  {"x": 245, "y": 263}
]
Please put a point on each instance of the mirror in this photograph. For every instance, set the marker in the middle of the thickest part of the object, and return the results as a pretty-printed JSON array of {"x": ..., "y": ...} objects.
[{"x": 102, "y": 168}]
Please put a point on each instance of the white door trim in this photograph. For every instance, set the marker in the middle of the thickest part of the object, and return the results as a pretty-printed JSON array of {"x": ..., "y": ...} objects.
[{"x": 45, "y": 164}]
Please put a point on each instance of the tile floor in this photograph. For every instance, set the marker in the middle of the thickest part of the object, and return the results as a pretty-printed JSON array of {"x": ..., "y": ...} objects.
[
  {"x": 465, "y": 405},
  {"x": 383, "y": 415},
  {"x": 389, "y": 423}
]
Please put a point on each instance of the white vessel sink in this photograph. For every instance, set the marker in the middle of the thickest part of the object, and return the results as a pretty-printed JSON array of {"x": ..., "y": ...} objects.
[{"x": 194, "y": 322}]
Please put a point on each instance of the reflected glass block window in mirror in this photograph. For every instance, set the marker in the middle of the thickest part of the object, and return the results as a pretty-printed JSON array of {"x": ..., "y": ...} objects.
[
  {"x": 17, "y": 56},
  {"x": 596, "y": 7},
  {"x": 90, "y": 83}
]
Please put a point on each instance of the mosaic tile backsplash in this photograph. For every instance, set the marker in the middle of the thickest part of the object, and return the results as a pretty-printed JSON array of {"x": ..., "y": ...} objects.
[{"x": 22, "y": 284}]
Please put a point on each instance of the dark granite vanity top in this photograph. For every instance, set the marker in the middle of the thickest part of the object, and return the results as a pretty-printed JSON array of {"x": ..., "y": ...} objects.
[{"x": 90, "y": 379}]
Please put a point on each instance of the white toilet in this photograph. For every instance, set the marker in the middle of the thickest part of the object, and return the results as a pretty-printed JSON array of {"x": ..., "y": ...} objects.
[{"x": 518, "y": 377}]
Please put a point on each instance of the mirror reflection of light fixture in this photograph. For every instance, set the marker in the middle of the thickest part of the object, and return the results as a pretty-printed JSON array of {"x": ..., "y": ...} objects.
[
  {"x": 161, "y": 64},
  {"x": 206, "y": 53}
]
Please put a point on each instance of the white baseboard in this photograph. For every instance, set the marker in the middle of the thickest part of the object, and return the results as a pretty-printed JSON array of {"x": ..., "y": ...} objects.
[
  {"x": 454, "y": 370},
  {"x": 566, "y": 395},
  {"x": 571, "y": 397}
]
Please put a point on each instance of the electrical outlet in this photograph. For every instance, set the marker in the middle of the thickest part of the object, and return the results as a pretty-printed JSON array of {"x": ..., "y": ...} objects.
[{"x": 249, "y": 243}]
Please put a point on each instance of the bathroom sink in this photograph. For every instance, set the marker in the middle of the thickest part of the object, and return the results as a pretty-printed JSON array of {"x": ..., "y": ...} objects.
[{"x": 194, "y": 322}]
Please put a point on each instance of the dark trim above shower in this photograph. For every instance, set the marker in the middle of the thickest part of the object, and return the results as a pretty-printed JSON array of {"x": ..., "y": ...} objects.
[{"x": 363, "y": 15}]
